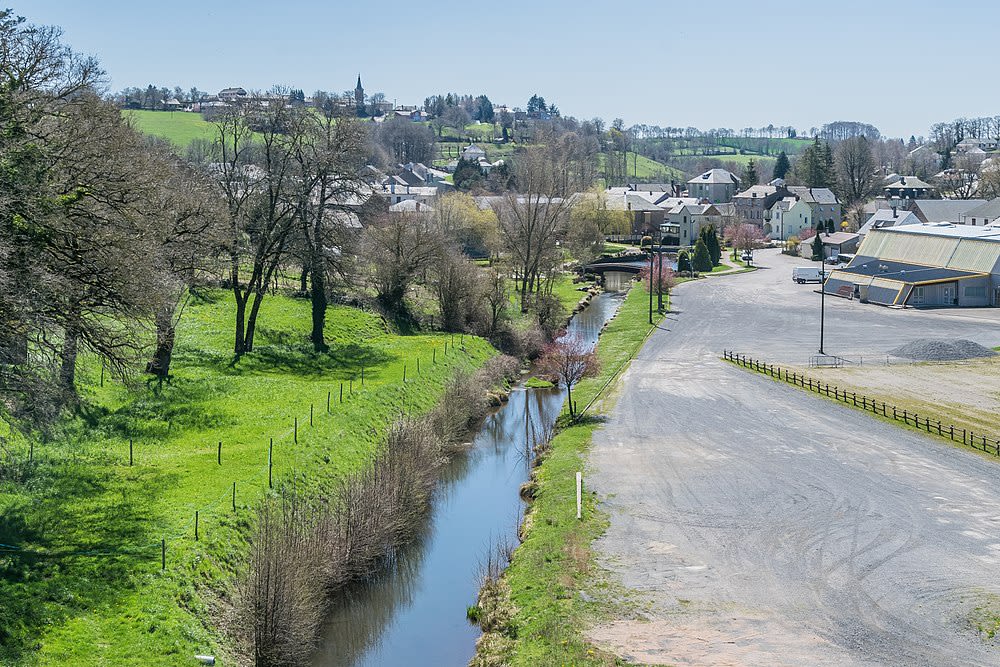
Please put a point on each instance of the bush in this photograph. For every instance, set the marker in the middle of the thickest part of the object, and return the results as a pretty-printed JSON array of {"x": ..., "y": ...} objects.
[{"x": 702, "y": 261}]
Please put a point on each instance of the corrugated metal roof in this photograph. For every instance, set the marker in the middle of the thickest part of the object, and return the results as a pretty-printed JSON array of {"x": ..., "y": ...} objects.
[
  {"x": 975, "y": 255},
  {"x": 910, "y": 248},
  {"x": 885, "y": 296}
]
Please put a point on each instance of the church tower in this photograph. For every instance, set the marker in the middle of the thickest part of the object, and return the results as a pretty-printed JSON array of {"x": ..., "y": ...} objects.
[{"x": 359, "y": 93}]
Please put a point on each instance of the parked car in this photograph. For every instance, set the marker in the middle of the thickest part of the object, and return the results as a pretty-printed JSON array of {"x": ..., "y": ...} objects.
[{"x": 806, "y": 274}]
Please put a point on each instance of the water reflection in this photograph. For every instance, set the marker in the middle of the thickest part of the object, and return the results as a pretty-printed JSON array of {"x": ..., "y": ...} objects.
[{"x": 413, "y": 613}]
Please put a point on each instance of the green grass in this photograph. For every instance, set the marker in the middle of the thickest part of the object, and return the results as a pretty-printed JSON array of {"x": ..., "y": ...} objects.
[
  {"x": 178, "y": 127},
  {"x": 554, "y": 563},
  {"x": 83, "y": 495},
  {"x": 536, "y": 383},
  {"x": 643, "y": 168}
]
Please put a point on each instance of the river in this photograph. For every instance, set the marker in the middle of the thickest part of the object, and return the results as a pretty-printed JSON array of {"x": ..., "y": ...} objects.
[{"x": 414, "y": 613}]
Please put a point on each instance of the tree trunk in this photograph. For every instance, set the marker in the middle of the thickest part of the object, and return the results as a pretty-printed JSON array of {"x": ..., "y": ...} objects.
[
  {"x": 159, "y": 365},
  {"x": 318, "y": 299},
  {"x": 258, "y": 297},
  {"x": 240, "y": 346},
  {"x": 304, "y": 279},
  {"x": 67, "y": 371},
  {"x": 569, "y": 397}
]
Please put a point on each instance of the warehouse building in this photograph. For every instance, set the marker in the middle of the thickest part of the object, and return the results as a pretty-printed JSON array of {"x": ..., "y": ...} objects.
[{"x": 924, "y": 265}]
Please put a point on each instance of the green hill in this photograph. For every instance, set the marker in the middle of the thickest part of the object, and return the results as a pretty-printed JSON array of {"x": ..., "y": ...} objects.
[{"x": 178, "y": 127}]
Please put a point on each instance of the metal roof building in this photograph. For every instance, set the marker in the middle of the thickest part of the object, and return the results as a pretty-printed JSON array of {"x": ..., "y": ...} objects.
[{"x": 924, "y": 265}]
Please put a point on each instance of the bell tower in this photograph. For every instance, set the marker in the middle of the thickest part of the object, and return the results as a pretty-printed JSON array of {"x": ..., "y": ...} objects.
[{"x": 359, "y": 93}]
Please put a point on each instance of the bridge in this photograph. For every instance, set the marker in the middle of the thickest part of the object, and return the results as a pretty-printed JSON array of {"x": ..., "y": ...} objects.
[{"x": 624, "y": 267}]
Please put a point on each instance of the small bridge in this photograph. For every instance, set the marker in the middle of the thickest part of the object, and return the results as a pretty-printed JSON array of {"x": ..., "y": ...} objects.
[{"x": 624, "y": 267}]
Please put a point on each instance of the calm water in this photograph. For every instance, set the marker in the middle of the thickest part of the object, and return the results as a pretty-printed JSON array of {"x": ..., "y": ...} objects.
[{"x": 414, "y": 613}]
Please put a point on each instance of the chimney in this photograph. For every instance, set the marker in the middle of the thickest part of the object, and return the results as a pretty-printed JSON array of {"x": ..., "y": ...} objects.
[{"x": 893, "y": 211}]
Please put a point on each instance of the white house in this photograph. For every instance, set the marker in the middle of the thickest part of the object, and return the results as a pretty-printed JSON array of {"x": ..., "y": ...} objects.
[
  {"x": 888, "y": 217},
  {"x": 474, "y": 153},
  {"x": 790, "y": 217},
  {"x": 715, "y": 185},
  {"x": 689, "y": 219}
]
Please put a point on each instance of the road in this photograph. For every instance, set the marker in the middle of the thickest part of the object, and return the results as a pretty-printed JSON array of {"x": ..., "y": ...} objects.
[{"x": 762, "y": 525}]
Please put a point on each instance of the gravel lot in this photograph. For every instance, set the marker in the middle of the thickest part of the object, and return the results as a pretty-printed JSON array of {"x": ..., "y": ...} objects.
[{"x": 766, "y": 526}]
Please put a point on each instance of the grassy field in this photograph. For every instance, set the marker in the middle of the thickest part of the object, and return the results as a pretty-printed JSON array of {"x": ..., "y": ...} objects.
[
  {"x": 178, "y": 127},
  {"x": 642, "y": 168},
  {"x": 554, "y": 563},
  {"x": 95, "y": 593}
]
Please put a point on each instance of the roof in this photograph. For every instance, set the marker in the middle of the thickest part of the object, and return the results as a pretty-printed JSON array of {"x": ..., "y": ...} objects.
[
  {"x": 989, "y": 210},
  {"x": 759, "y": 191},
  {"x": 666, "y": 201},
  {"x": 813, "y": 195},
  {"x": 410, "y": 206},
  {"x": 906, "y": 272},
  {"x": 944, "y": 210},
  {"x": 716, "y": 176},
  {"x": 886, "y": 217},
  {"x": 907, "y": 182},
  {"x": 651, "y": 187},
  {"x": 838, "y": 238}
]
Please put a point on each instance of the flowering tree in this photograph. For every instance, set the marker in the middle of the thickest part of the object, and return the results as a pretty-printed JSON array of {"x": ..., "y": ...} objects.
[
  {"x": 663, "y": 276},
  {"x": 743, "y": 237},
  {"x": 570, "y": 360}
]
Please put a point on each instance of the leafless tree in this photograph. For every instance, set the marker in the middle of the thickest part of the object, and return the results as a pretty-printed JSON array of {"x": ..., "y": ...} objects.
[
  {"x": 857, "y": 173},
  {"x": 399, "y": 248},
  {"x": 570, "y": 360}
]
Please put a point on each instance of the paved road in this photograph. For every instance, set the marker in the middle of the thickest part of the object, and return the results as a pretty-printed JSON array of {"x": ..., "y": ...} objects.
[{"x": 766, "y": 526}]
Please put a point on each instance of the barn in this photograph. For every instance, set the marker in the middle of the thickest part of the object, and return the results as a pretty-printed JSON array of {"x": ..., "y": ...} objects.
[{"x": 929, "y": 265}]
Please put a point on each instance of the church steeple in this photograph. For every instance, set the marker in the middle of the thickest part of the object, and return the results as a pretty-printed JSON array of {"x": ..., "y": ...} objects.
[{"x": 359, "y": 93}]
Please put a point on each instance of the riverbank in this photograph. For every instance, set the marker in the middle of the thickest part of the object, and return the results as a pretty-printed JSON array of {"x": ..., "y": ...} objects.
[
  {"x": 86, "y": 585},
  {"x": 552, "y": 587}
]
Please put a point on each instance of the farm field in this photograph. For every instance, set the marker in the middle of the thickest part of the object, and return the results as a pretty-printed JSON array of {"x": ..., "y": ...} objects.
[
  {"x": 178, "y": 127},
  {"x": 95, "y": 592}
]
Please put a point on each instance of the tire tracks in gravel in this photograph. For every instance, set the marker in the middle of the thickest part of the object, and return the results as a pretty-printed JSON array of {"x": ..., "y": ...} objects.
[{"x": 766, "y": 526}]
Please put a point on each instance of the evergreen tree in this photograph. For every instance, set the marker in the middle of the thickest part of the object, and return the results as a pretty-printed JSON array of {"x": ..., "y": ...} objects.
[
  {"x": 815, "y": 166},
  {"x": 781, "y": 166},
  {"x": 711, "y": 238},
  {"x": 683, "y": 262},
  {"x": 467, "y": 175},
  {"x": 702, "y": 261},
  {"x": 750, "y": 176},
  {"x": 817, "y": 248},
  {"x": 829, "y": 226}
]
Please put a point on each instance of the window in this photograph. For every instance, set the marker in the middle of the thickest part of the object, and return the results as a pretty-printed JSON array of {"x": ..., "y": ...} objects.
[{"x": 975, "y": 291}]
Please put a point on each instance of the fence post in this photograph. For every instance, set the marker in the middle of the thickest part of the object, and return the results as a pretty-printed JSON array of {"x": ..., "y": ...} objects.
[
  {"x": 434, "y": 355},
  {"x": 895, "y": 418},
  {"x": 939, "y": 426},
  {"x": 295, "y": 431},
  {"x": 350, "y": 387},
  {"x": 951, "y": 432},
  {"x": 270, "y": 464},
  {"x": 234, "y": 496},
  {"x": 362, "y": 375},
  {"x": 196, "y": 525},
  {"x": 310, "y": 414},
  {"x": 404, "y": 372},
  {"x": 219, "y": 455},
  {"x": 163, "y": 554},
  {"x": 328, "y": 402},
  {"x": 341, "y": 392},
  {"x": 130, "y": 451},
  {"x": 579, "y": 495}
]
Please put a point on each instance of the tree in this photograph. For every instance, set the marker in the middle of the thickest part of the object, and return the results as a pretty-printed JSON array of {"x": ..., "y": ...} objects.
[
  {"x": 398, "y": 249},
  {"x": 329, "y": 163},
  {"x": 536, "y": 105},
  {"x": 663, "y": 279},
  {"x": 460, "y": 219},
  {"x": 530, "y": 222},
  {"x": 711, "y": 238},
  {"x": 401, "y": 141},
  {"x": 856, "y": 170},
  {"x": 570, "y": 361},
  {"x": 743, "y": 238},
  {"x": 749, "y": 177},
  {"x": 259, "y": 144},
  {"x": 781, "y": 166},
  {"x": 815, "y": 166},
  {"x": 817, "y": 247},
  {"x": 484, "y": 109},
  {"x": 684, "y": 263},
  {"x": 702, "y": 261},
  {"x": 468, "y": 174}
]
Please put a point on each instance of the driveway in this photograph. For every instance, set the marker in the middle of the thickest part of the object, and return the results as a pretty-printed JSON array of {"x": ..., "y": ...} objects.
[{"x": 765, "y": 526}]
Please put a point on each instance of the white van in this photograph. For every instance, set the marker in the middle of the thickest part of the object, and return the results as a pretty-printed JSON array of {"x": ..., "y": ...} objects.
[{"x": 806, "y": 274}]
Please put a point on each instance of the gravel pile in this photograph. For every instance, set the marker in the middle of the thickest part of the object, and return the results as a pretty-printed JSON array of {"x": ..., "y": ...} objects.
[{"x": 929, "y": 349}]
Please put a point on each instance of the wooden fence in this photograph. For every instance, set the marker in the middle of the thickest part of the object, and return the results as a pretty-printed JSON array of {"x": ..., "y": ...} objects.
[{"x": 983, "y": 442}]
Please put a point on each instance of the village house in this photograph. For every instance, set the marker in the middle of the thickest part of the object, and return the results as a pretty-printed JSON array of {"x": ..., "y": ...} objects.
[
  {"x": 981, "y": 215},
  {"x": 907, "y": 187},
  {"x": 689, "y": 219},
  {"x": 790, "y": 217},
  {"x": 715, "y": 185}
]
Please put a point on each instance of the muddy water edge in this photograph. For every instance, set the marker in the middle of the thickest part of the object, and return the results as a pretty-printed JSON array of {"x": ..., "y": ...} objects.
[{"x": 414, "y": 612}]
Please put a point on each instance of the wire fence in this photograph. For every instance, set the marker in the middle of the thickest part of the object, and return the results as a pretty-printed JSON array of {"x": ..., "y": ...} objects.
[
  {"x": 981, "y": 441},
  {"x": 260, "y": 481}
]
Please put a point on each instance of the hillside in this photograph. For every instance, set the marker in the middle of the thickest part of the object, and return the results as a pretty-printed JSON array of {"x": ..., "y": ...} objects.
[
  {"x": 178, "y": 127},
  {"x": 82, "y": 582}
]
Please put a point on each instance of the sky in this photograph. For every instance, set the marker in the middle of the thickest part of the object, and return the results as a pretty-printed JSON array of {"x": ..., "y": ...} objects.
[{"x": 901, "y": 66}]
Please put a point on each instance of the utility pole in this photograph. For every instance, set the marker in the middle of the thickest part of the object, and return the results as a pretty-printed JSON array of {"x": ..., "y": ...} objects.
[
  {"x": 822, "y": 300},
  {"x": 659, "y": 271},
  {"x": 650, "y": 278}
]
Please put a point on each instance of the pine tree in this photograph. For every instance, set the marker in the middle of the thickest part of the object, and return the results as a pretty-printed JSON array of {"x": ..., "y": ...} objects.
[
  {"x": 781, "y": 166},
  {"x": 750, "y": 176},
  {"x": 829, "y": 226},
  {"x": 683, "y": 262},
  {"x": 817, "y": 248},
  {"x": 702, "y": 261}
]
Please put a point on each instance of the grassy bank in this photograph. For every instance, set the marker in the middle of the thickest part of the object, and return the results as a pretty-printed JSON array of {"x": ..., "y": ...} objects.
[
  {"x": 554, "y": 564},
  {"x": 87, "y": 587}
]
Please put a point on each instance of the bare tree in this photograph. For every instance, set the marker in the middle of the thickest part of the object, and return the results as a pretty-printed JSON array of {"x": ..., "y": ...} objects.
[
  {"x": 398, "y": 249},
  {"x": 857, "y": 173}
]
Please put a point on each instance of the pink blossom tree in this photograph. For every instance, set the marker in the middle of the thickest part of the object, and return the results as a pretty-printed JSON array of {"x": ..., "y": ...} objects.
[{"x": 569, "y": 360}]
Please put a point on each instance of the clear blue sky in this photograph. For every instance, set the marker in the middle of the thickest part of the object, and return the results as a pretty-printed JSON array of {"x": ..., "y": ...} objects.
[{"x": 898, "y": 65}]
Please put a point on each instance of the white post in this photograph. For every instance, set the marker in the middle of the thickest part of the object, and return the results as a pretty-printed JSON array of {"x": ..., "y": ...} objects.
[{"x": 579, "y": 495}]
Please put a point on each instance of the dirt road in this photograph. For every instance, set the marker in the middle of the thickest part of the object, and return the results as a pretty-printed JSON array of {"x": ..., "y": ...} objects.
[{"x": 765, "y": 526}]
